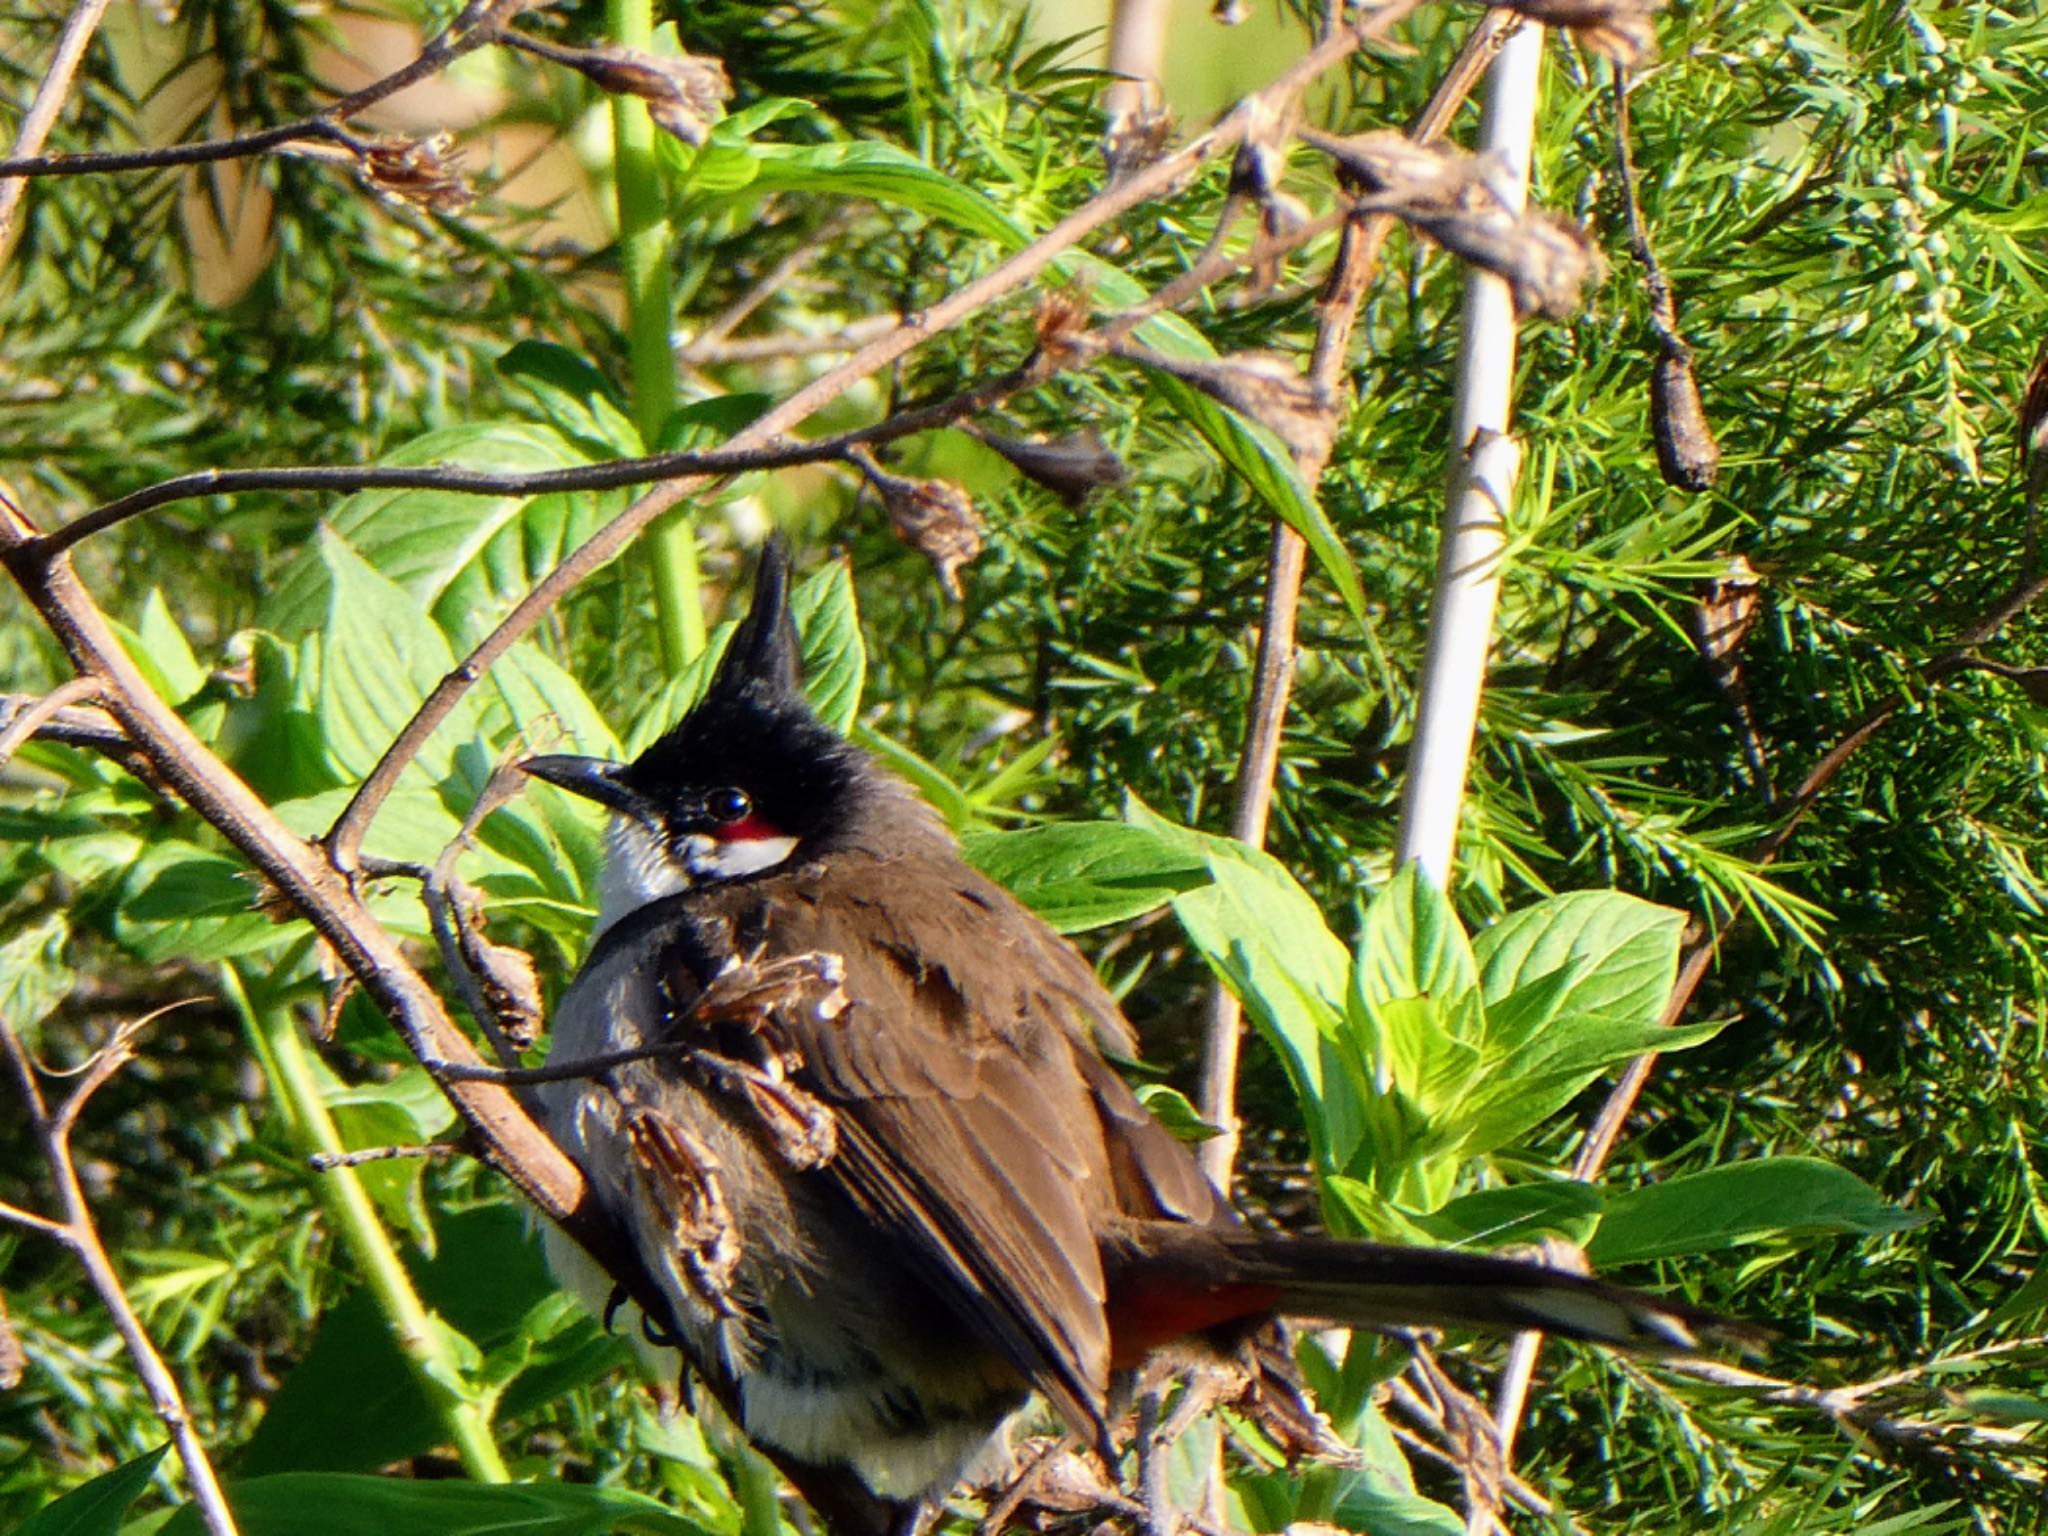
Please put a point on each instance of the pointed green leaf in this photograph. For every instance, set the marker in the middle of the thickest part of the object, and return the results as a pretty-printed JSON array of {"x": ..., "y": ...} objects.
[
  {"x": 1754, "y": 1202},
  {"x": 1087, "y": 874},
  {"x": 96, "y": 1508}
]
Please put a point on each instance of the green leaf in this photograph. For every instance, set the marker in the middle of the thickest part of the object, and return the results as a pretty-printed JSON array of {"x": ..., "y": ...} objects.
[
  {"x": 1252, "y": 449},
  {"x": 1520, "y": 1091},
  {"x": 578, "y": 399},
  {"x": 872, "y": 169},
  {"x": 96, "y": 1508},
  {"x": 466, "y": 558},
  {"x": 181, "y": 902},
  {"x": 342, "y": 1504},
  {"x": 542, "y": 704},
  {"x": 835, "y": 659},
  {"x": 165, "y": 655},
  {"x": 352, "y": 1404},
  {"x": 1619, "y": 953},
  {"x": 1246, "y": 446},
  {"x": 35, "y": 973},
  {"x": 1262, "y": 933},
  {"x": 1170, "y": 1107},
  {"x": 1519, "y": 1213},
  {"x": 1754, "y": 1202},
  {"x": 940, "y": 792},
  {"x": 1086, "y": 874},
  {"x": 381, "y": 657},
  {"x": 1411, "y": 945}
]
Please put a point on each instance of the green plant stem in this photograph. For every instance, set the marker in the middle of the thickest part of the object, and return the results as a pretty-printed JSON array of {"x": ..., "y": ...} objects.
[
  {"x": 423, "y": 1339},
  {"x": 671, "y": 543},
  {"x": 760, "y": 1497}
]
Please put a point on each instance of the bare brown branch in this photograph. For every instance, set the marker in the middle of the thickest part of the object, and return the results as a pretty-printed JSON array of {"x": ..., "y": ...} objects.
[
  {"x": 43, "y": 111},
  {"x": 77, "y": 1232}
]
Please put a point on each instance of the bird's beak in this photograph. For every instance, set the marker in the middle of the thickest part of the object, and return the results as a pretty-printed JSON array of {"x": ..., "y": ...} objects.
[{"x": 594, "y": 779}]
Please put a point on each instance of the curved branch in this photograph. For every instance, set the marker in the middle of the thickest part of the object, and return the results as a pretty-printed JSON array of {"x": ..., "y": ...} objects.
[{"x": 345, "y": 840}]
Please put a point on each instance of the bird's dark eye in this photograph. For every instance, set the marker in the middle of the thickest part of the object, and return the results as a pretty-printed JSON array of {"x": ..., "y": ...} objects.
[{"x": 728, "y": 805}]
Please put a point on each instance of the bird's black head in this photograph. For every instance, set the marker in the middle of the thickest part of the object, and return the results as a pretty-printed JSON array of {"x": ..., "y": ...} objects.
[{"x": 744, "y": 782}]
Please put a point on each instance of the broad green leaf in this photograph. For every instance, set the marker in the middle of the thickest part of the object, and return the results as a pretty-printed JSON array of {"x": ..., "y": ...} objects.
[
  {"x": 1519, "y": 1213},
  {"x": 182, "y": 902},
  {"x": 1753, "y": 1202},
  {"x": 1522, "y": 1090},
  {"x": 465, "y": 558},
  {"x": 271, "y": 736},
  {"x": 1078, "y": 875},
  {"x": 404, "y": 1109},
  {"x": 882, "y": 172},
  {"x": 381, "y": 656},
  {"x": 345, "y": 1504},
  {"x": 1620, "y": 952},
  {"x": 835, "y": 659},
  {"x": 1411, "y": 945},
  {"x": 352, "y": 1404},
  {"x": 96, "y": 1508},
  {"x": 1379, "y": 1495},
  {"x": 1262, "y": 933},
  {"x": 580, "y": 402},
  {"x": 35, "y": 973},
  {"x": 165, "y": 653},
  {"x": 543, "y": 705}
]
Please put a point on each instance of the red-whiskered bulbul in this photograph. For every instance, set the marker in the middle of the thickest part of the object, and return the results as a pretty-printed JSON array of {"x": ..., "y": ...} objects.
[{"x": 877, "y": 1161}]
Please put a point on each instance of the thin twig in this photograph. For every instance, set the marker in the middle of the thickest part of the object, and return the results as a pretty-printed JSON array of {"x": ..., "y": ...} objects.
[
  {"x": 42, "y": 113},
  {"x": 327, "y": 1162},
  {"x": 764, "y": 288},
  {"x": 34, "y": 716},
  {"x": 1273, "y": 676},
  {"x": 708, "y": 351},
  {"x": 477, "y": 27},
  {"x": 79, "y": 1234},
  {"x": 1152, "y": 181}
]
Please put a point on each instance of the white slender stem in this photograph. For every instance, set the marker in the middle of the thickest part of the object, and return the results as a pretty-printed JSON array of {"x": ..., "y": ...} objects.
[{"x": 1484, "y": 464}]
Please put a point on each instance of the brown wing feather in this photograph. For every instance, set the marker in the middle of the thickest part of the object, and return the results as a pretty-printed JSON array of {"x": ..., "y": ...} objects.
[{"x": 975, "y": 1118}]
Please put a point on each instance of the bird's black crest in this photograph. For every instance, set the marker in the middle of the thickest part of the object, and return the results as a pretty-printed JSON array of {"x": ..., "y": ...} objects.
[
  {"x": 754, "y": 728},
  {"x": 764, "y": 657}
]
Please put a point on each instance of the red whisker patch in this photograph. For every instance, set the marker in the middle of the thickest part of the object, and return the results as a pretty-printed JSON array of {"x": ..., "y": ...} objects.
[{"x": 749, "y": 829}]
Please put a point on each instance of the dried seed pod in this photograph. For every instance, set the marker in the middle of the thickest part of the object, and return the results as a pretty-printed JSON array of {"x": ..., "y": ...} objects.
[
  {"x": 426, "y": 172},
  {"x": 685, "y": 93},
  {"x": 1070, "y": 467},
  {"x": 1062, "y": 316},
  {"x": 1621, "y": 30},
  {"x": 1725, "y": 612},
  {"x": 1449, "y": 196},
  {"x": 1271, "y": 391},
  {"x": 934, "y": 517},
  {"x": 509, "y": 983},
  {"x": 1687, "y": 454}
]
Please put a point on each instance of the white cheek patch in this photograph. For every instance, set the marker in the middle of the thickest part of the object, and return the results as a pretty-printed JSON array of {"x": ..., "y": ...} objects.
[
  {"x": 710, "y": 859},
  {"x": 638, "y": 868}
]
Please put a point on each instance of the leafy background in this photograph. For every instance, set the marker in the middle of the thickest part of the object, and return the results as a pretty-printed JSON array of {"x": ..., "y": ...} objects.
[{"x": 1849, "y": 198}]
